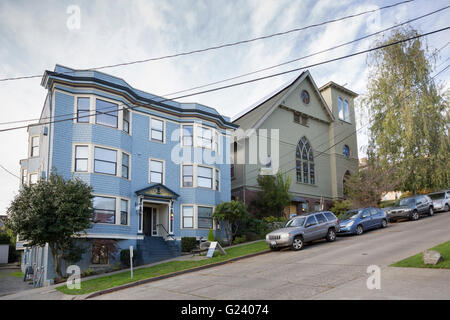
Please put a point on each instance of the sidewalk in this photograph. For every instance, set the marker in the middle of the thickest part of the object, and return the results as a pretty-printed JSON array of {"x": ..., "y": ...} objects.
[
  {"x": 50, "y": 292},
  {"x": 396, "y": 284}
]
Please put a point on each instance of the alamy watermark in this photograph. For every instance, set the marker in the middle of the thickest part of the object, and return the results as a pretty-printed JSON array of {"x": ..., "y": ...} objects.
[
  {"x": 374, "y": 280},
  {"x": 74, "y": 20}
]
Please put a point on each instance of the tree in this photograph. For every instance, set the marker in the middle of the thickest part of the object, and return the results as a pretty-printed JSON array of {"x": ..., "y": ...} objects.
[
  {"x": 274, "y": 196},
  {"x": 366, "y": 187},
  {"x": 341, "y": 207},
  {"x": 230, "y": 214},
  {"x": 409, "y": 113},
  {"x": 52, "y": 211}
]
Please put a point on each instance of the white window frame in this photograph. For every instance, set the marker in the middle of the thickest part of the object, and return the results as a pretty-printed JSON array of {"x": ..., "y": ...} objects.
[
  {"x": 212, "y": 176},
  {"x": 182, "y": 135},
  {"x": 76, "y": 97},
  {"x": 346, "y": 111},
  {"x": 163, "y": 174},
  {"x": 182, "y": 175},
  {"x": 341, "y": 108},
  {"x": 197, "y": 143},
  {"x": 163, "y": 130},
  {"x": 182, "y": 216},
  {"x": 30, "y": 152},
  {"x": 29, "y": 177},
  {"x": 24, "y": 175},
  {"x": 75, "y": 158}
]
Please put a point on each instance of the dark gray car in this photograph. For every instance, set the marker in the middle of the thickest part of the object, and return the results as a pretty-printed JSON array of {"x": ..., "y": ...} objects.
[
  {"x": 411, "y": 208},
  {"x": 304, "y": 228}
]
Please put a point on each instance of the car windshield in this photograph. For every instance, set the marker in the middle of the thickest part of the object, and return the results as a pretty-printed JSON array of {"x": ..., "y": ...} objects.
[
  {"x": 405, "y": 202},
  {"x": 437, "y": 196},
  {"x": 296, "y": 222},
  {"x": 350, "y": 214}
]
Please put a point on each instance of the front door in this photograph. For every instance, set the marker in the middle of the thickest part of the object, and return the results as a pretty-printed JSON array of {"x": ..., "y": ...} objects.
[{"x": 150, "y": 221}]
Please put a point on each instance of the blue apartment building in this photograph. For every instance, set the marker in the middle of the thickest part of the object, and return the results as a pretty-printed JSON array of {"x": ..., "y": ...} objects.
[{"x": 157, "y": 167}]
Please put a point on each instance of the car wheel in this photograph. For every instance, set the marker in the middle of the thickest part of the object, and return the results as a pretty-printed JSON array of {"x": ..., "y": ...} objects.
[
  {"x": 383, "y": 223},
  {"x": 431, "y": 212},
  {"x": 297, "y": 243},
  {"x": 415, "y": 215},
  {"x": 447, "y": 207},
  {"x": 359, "y": 230},
  {"x": 331, "y": 235}
]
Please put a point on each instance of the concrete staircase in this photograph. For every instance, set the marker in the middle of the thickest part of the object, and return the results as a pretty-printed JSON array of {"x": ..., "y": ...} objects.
[{"x": 154, "y": 249}]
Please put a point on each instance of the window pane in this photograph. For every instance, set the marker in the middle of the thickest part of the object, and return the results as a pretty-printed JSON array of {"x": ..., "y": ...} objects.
[
  {"x": 156, "y": 166},
  {"x": 106, "y": 113},
  {"x": 188, "y": 217},
  {"x": 157, "y": 135},
  {"x": 125, "y": 159},
  {"x": 187, "y": 181},
  {"x": 83, "y": 104},
  {"x": 187, "y": 170},
  {"x": 340, "y": 109},
  {"x": 104, "y": 203},
  {"x": 346, "y": 114},
  {"x": 305, "y": 172},
  {"x": 157, "y": 125},
  {"x": 187, "y": 135},
  {"x": 104, "y": 216},
  {"x": 105, "y": 154},
  {"x": 105, "y": 167},
  {"x": 33, "y": 178},
  {"x": 123, "y": 218},
  {"x": 204, "y": 217},
  {"x": 156, "y": 177},
  {"x": 204, "y": 172},
  {"x": 204, "y": 182},
  {"x": 312, "y": 173},
  {"x": 81, "y": 165},
  {"x": 81, "y": 152}
]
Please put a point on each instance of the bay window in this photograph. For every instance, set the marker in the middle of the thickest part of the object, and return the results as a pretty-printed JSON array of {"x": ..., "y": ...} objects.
[
  {"x": 125, "y": 165},
  {"x": 123, "y": 212}
]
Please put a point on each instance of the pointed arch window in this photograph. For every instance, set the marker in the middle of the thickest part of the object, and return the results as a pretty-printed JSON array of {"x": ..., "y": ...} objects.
[{"x": 305, "y": 162}]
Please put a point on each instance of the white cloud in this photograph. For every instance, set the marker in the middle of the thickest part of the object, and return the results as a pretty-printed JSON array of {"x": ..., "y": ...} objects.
[{"x": 34, "y": 36}]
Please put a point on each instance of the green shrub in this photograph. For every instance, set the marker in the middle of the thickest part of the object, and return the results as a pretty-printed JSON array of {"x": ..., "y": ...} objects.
[
  {"x": 188, "y": 243},
  {"x": 211, "y": 235},
  {"x": 221, "y": 241},
  {"x": 125, "y": 257},
  {"x": 341, "y": 207},
  {"x": 238, "y": 240},
  {"x": 252, "y": 236},
  {"x": 273, "y": 219}
]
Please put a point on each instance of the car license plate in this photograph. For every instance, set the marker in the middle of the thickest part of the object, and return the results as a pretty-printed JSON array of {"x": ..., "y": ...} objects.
[{"x": 273, "y": 243}]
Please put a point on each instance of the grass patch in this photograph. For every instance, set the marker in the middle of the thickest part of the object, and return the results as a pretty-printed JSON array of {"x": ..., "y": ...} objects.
[
  {"x": 17, "y": 274},
  {"x": 416, "y": 261},
  {"x": 122, "y": 278}
]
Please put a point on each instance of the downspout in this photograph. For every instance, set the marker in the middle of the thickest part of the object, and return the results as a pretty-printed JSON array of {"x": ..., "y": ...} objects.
[{"x": 50, "y": 145}]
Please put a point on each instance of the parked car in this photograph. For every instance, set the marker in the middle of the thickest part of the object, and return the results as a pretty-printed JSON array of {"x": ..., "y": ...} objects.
[
  {"x": 359, "y": 220},
  {"x": 304, "y": 228},
  {"x": 411, "y": 208},
  {"x": 441, "y": 200}
]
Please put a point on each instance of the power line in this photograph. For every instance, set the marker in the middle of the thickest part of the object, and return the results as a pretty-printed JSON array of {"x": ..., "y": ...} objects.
[
  {"x": 9, "y": 172},
  {"x": 222, "y": 45},
  {"x": 253, "y": 80},
  {"x": 271, "y": 67},
  {"x": 313, "y": 54},
  {"x": 442, "y": 70},
  {"x": 348, "y": 136}
]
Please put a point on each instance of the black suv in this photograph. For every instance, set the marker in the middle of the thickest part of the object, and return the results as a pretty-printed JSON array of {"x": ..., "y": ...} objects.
[{"x": 411, "y": 208}]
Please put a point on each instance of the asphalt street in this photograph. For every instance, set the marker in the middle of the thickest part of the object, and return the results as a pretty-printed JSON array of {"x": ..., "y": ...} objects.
[{"x": 321, "y": 270}]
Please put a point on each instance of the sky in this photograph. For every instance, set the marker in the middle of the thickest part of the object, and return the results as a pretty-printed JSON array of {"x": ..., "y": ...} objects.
[{"x": 34, "y": 36}]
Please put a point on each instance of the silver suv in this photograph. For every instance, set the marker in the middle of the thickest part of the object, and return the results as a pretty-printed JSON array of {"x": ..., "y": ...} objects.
[
  {"x": 441, "y": 200},
  {"x": 304, "y": 228}
]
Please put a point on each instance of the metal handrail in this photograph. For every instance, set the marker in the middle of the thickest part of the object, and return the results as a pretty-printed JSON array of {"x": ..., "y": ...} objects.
[{"x": 166, "y": 231}]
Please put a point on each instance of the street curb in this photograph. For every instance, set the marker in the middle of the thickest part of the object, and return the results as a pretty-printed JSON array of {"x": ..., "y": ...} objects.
[{"x": 170, "y": 275}]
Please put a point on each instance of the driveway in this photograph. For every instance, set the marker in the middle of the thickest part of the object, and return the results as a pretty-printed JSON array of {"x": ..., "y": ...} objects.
[
  {"x": 11, "y": 282},
  {"x": 320, "y": 271}
]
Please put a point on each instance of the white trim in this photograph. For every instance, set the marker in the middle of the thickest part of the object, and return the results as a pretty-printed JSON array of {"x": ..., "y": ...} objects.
[
  {"x": 109, "y": 236},
  {"x": 195, "y": 216},
  {"x": 30, "y": 146},
  {"x": 163, "y": 176},
  {"x": 150, "y": 129}
]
